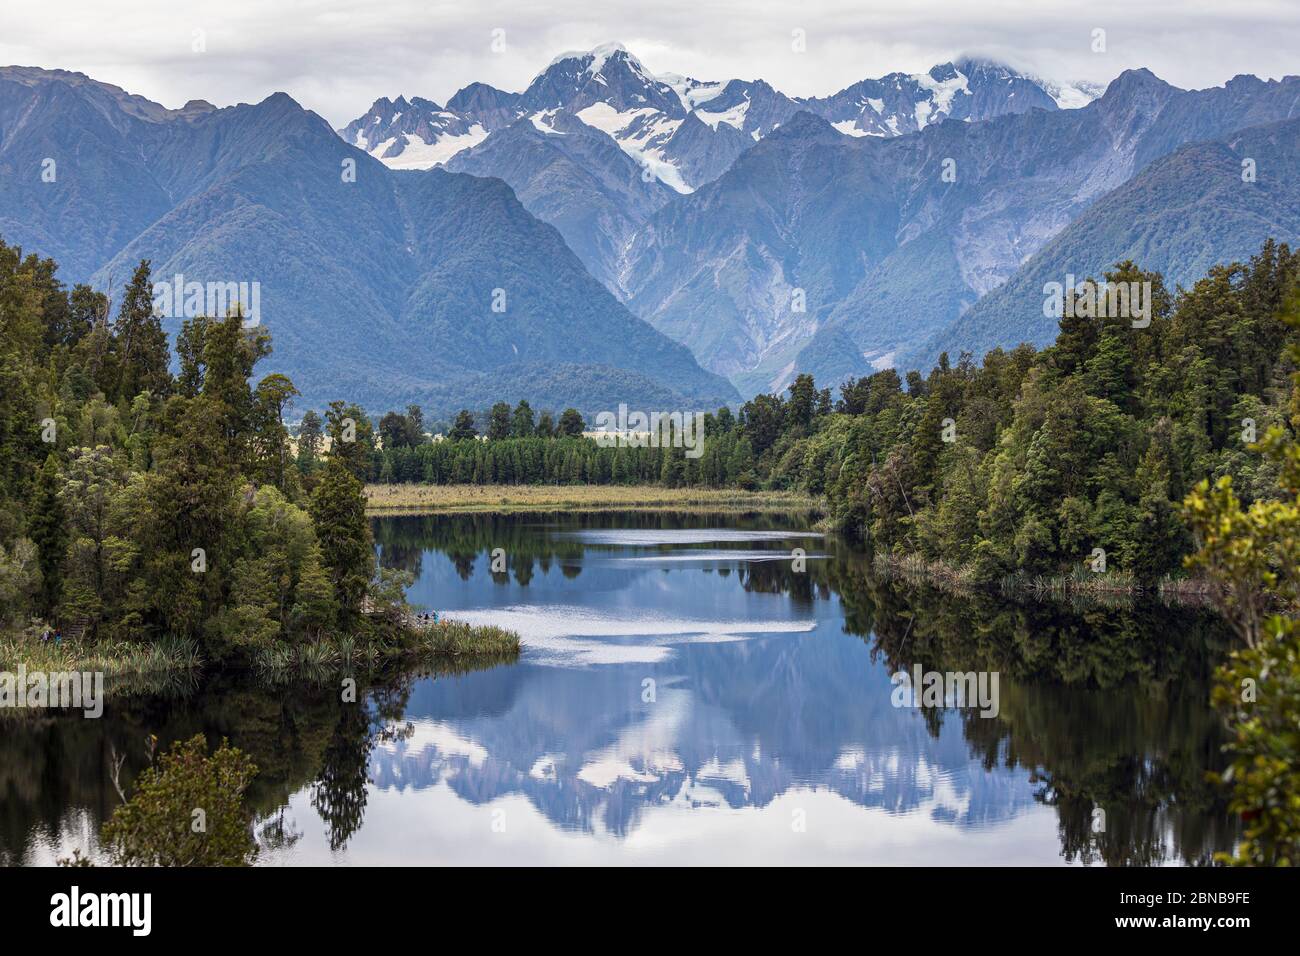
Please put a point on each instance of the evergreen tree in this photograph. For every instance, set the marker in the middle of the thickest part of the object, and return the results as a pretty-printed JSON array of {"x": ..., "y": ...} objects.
[
  {"x": 143, "y": 357},
  {"x": 521, "y": 425},
  {"x": 571, "y": 423},
  {"x": 499, "y": 422},
  {"x": 338, "y": 511},
  {"x": 310, "y": 439},
  {"x": 464, "y": 428},
  {"x": 48, "y": 531}
]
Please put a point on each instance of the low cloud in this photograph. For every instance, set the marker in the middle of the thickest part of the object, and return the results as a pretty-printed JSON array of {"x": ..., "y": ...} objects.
[{"x": 337, "y": 56}]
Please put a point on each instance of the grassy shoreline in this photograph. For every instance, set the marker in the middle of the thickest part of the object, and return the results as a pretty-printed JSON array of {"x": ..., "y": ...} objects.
[
  {"x": 426, "y": 499},
  {"x": 141, "y": 668}
]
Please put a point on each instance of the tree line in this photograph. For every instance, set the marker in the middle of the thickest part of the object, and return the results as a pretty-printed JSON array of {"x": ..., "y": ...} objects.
[{"x": 1031, "y": 462}]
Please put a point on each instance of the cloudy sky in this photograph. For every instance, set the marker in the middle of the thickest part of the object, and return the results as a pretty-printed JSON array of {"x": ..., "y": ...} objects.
[{"x": 338, "y": 56}]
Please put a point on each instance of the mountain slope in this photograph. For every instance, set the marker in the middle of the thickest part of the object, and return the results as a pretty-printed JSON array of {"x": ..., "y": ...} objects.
[
  {"x": 1183, "y": 214},
  {"x": 893, "y": 239},
  {"x": 576, "y": 179},
  {"x": 86, "y": 137},
  {"x": 677, "y": 133},
  {"x": 378, "y": 288}
]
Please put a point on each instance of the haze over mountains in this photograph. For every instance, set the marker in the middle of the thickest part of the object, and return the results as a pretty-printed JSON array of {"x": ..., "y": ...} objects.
[{"x": 653, "y": 236}]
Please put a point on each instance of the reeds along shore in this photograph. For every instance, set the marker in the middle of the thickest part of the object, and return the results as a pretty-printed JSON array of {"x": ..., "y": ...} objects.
[{"x": 132, "y": 668}]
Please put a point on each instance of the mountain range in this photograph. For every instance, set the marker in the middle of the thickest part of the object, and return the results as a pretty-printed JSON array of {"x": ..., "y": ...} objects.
[
  {"x": 891, "y": 241},
  {"x": 653, "y": 239},
  {"x": 378, "y": 285},
  {"x": 685, "y": 132},
  {"x": 775, "y": 234},
  {"x": 670, "y": 134}
]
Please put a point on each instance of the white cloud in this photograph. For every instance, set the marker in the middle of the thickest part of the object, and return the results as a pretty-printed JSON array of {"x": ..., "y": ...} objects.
[{"x": 337, "y": 56}]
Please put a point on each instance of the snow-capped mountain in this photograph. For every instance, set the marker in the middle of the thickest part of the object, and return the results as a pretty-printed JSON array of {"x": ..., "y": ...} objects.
[
  {"x": 418, "y": 134},
  {"x": 900, "y": 103},
  {"x": 685, "y": 131}
]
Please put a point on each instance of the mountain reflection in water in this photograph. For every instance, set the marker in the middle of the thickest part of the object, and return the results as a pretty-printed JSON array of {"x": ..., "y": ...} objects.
[{"x": 686, "y": 696}]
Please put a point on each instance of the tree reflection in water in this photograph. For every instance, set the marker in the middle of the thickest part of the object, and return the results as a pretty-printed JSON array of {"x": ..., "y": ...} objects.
[{"x": 1100, "y": 707}]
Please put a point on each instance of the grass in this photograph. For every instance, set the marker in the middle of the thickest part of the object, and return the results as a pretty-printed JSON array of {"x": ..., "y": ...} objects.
[
  {"x": 458, "y": 639},
  {"x": 916, "y": 569},
  {"x": 114, "y": 660},
  {"x": 424, "y": 499},
  {"x": 174, "y": 665},
  {"x": 447, "y": 644},
  {"x": 128, "y": 668}
]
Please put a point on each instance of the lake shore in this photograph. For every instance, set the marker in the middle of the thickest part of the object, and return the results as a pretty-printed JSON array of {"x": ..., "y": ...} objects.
[
  {"x": 426, "y": 499},
  {"x": 133, "y": 668}
]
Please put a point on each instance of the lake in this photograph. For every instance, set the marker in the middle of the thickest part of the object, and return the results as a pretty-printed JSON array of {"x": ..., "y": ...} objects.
[{"x": 694, "y": 689}]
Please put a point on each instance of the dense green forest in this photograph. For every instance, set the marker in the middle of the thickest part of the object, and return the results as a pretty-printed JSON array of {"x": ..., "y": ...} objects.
[
  {"x": 1027, "y": 463},
  {"x": 138, "y": 505}
]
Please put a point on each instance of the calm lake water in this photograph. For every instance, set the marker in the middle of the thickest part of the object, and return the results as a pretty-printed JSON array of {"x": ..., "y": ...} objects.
[{"x": 686, "y": 695}]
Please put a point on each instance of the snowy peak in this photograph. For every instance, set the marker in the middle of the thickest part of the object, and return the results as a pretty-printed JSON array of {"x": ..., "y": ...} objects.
[
  {"x": 969, "y": 90},
  {"x": 685, "y": 131},
  {"x": 752, "y": 107},
  {"x": 414, "y": 134},
  {"x": 608, "y": 74},
  {"x": 690, "y": 91}
]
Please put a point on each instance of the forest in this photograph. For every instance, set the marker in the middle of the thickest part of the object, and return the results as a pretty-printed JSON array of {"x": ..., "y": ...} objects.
[
  {"x": 1027, "y": 463},
  {"x": 140, "y": 507}
]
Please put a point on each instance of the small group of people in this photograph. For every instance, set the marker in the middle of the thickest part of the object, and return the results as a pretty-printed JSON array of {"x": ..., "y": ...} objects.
[
  {"x": 431, "y": 618},
  {"x": 47, "y": 635}
]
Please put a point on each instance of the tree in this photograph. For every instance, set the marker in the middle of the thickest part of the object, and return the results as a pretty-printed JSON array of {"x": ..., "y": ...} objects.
[
  {"x": 230, "y": 353},
  {"x": 97, "y": 560},
  {"x": 571, "y": 423},
  {"x": 270, "y": 439},
  {"x": 351, "y": 437},
  {"x": 20, "y": 577},
  {"x": 521, "y": 425},
  {"x": 188, "y": 503},
  {"x": 309, "y": 440},
  {"x": 191, "y": 343},
  {"x": 186, "y": 811},
  {"x": 463, "y": 429},
  {"x": 48, "y": 532},
  {"x": 143, "y": 357},
  {"x": 338, "y": 511},
  {"x": 499, "y": 422},
  {"x": 415, "y": 425},
  {"x": 803, "y": 401},
  {"x": 1253, "y": 556},
  {"x": 314, "y": 607},
  {"x": 393, "y": 432}
]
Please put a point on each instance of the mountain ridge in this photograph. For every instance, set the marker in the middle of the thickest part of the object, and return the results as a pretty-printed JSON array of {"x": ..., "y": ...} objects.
[{"x": 377, "y": 285}]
